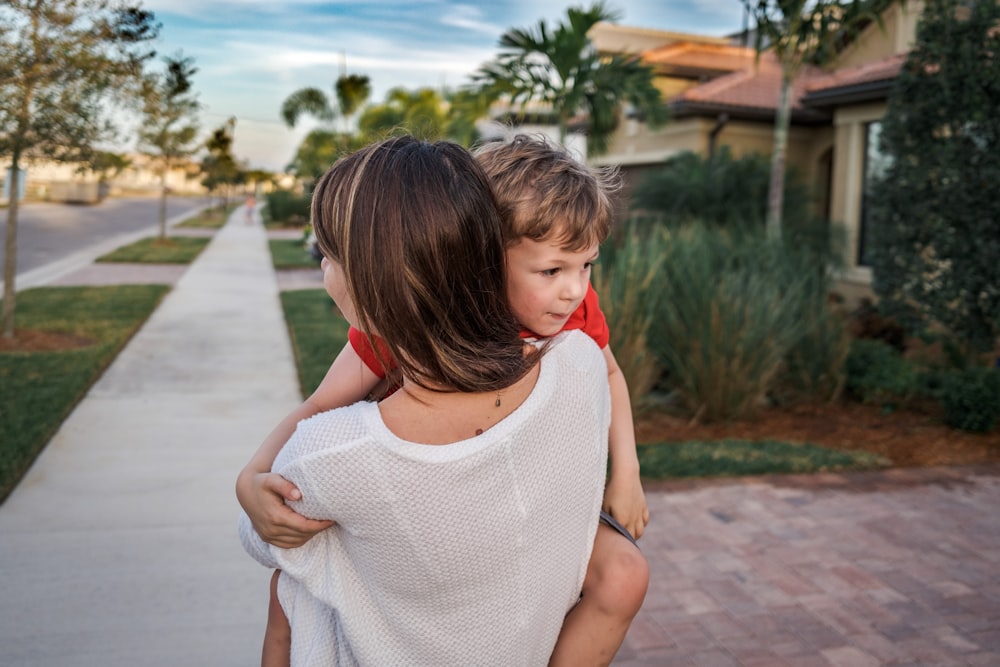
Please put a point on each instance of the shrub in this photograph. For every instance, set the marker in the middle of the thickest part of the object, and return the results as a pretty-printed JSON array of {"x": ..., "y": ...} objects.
[
  {"x": 971, "y": 399},
  {"x": 624, "y": 280},
  {"x": 286, "y": 207},
  {"x": 814, "y": 366},
  {"x": 878, "y": 374},
  {"x": 717, "y": 191},
  {"x": 730, "y": 310},
  {"x": 935, "y": 248}
]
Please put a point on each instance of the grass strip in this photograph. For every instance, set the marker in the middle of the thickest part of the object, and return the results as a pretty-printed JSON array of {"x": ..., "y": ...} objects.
[
  {"x": 727, "y": 458},
  {"x": 153, "y": 250},
  {"x": 213, "y": 217},
  {"x": 38, "y": 390},
  {"x": 318, "y": 333},
  {"x": 291, "y": 254}
]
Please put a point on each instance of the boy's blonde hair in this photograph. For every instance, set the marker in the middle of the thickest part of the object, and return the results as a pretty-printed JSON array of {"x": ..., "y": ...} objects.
[{"x": 544, "y": 192}]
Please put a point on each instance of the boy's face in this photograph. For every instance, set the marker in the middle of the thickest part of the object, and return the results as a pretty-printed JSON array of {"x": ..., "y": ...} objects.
[{"x": 546, "y": 283}]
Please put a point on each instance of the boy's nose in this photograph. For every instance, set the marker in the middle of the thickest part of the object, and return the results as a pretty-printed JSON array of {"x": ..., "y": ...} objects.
[{"x": 575, "y": 289}]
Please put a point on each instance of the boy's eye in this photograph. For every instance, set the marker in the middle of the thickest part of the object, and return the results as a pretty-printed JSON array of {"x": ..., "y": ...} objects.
[
  {"x": 550, "y": 272},
  {"x": 588, "y": 266}
]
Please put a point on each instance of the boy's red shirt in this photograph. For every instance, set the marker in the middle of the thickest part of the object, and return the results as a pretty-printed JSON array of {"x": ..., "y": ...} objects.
[{"x": 588, "y": 317}]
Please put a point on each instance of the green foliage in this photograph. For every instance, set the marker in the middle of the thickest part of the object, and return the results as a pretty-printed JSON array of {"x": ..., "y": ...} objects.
[
  {"x": 318, "y": 333},
  {"x": 219, "y": 167},
  {"x": 814, "y": 367},
  {"x": 67, "y": 67},
  {"x": 288, "y": 208},
  {"x": 878, "y": 374},
  {"x": 559, "y": 68},
  {"x": 731, "y": 192},
  {"x": 39, "y": 389},
  {"x": 971, "y": 399},
  {"x": 720, "y": 458},
  {"x": 936, "y": 250},
  {"x": 732, "y": 307},
  {"x": 173, "y": 250},
  {"x": 421, "y": 112},
  {"x": 625, "y": 280}
]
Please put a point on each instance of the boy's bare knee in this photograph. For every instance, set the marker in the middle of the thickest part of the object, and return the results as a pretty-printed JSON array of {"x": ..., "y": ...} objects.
[{"x": 618, "y": 575}]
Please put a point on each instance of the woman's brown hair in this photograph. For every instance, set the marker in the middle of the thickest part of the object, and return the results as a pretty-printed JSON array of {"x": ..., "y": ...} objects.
[{"x": 416, "y": 229}]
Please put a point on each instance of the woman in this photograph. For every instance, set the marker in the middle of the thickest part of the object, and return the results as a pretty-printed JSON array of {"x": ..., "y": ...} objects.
[{"x": 465, "y": 503}]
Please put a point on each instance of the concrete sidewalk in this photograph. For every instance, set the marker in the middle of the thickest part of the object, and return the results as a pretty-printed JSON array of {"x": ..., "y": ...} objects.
[{"x": 119, "y": 547}]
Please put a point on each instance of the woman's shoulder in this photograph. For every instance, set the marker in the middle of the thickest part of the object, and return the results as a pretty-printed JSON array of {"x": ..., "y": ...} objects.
[
  {"x": 575, "y": 348},
  {"x": 337, "y": 427}
]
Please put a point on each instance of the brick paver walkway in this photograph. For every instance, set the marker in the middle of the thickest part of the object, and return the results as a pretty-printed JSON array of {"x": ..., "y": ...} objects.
[{"x": 893, "y": 568}]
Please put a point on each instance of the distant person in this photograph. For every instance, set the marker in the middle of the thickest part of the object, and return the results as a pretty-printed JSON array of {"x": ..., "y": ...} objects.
[
  {"x": 251, "y": 204},
  {"x": 556, "y": 212},
  {"x": 466, "y": 503}
]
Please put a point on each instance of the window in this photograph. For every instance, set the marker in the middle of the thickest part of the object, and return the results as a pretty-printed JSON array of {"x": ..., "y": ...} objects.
[{"x": 875, "y": 165}]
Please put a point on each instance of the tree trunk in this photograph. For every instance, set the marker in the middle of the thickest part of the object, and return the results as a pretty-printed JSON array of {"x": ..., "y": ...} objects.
[
  {"x": 163, "y": 207},
  {"x": 10, "y": 267},
  {"x": 776, "y": 192}
]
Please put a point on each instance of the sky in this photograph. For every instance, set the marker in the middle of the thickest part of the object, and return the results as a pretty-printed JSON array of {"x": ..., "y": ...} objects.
[{"x": 252, "y": 54}]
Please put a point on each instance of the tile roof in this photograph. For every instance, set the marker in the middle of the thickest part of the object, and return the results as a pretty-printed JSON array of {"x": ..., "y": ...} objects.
[
  {"x": 757, "y": 86},
  {"x": 880, "y": 70}
]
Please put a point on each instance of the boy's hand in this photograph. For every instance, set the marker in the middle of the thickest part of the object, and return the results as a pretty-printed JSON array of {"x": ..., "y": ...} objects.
[
  {"x": 263, "y": 497},
  {"x": 626, "y": 502}
]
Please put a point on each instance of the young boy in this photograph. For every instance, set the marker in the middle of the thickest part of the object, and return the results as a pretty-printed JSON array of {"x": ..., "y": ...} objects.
[{"x": 556, "y": 213}]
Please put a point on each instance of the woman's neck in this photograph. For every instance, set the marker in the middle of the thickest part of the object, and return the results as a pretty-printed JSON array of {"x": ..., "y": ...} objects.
[{"x": 432, "y": 417}]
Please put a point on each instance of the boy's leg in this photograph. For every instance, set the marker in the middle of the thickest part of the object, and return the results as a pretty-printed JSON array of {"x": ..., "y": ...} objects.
[
  {"x": 613, "y": 590},
  {"x": 277, "y": 651}
]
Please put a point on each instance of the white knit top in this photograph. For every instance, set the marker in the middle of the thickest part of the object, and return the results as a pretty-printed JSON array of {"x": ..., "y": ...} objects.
[{"x": 463, "y": 554}]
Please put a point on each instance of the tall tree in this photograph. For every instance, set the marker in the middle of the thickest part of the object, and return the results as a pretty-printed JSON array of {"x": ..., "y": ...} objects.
[
  {"x": 935, "y": 215},
  {"x": 351, "y": 91},
  {"x": 169, "y": 129},
  {"x": 62, "y": 61},
  {"x": 799, "y": 33},
  {"x": 562, "y": 69},
  {"x": 219, "y": 168}
]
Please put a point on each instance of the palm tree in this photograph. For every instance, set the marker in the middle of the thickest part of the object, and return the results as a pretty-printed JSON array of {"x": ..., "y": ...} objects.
[
  {"x": 802, "y": 32},
  {"x": 350, "y": 90},
  {"x": 561, "y": 69},
  {"x": 421, "y": 112}
]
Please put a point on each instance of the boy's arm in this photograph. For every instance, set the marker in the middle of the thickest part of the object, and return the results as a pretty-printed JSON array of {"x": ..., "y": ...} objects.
[
  {"x": 623, "y": 496},
  {"x": 261, "y": 493}
]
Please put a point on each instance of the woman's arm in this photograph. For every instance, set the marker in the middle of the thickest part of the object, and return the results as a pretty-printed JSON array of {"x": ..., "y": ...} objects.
[{"x": 261, "y": 493}]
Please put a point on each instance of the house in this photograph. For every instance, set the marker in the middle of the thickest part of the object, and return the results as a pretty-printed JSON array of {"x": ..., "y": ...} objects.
[{"x": 720, "y": 93}]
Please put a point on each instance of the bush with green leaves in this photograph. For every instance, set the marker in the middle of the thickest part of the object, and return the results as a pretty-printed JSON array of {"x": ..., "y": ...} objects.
[
  {"x": 971, "y": 399},
  {"x": 730, "y": 192},
  {"x": 878, "y": 374},
  {"x": 814, "y": 368},
  {"x": 624, "y": 280},
  {"x": 732, "y": 307},
  {"x": 288, "y": 208},
  {"x": 935, "y": 246}
]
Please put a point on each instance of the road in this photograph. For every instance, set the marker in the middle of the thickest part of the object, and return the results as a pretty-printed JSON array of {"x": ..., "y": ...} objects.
[{"x": 48, "y": 233}]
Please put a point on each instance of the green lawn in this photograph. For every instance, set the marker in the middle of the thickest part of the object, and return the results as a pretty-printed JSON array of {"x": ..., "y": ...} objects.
[
  {"x": 209, "y": 218},
  {"x": 718, "y": 458},
  {"x": 39, "y": 389},
  {"x": 152, "y": 250},
  {"x": 291, "y": 254},
  {"x": 318, "y": 333}
]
